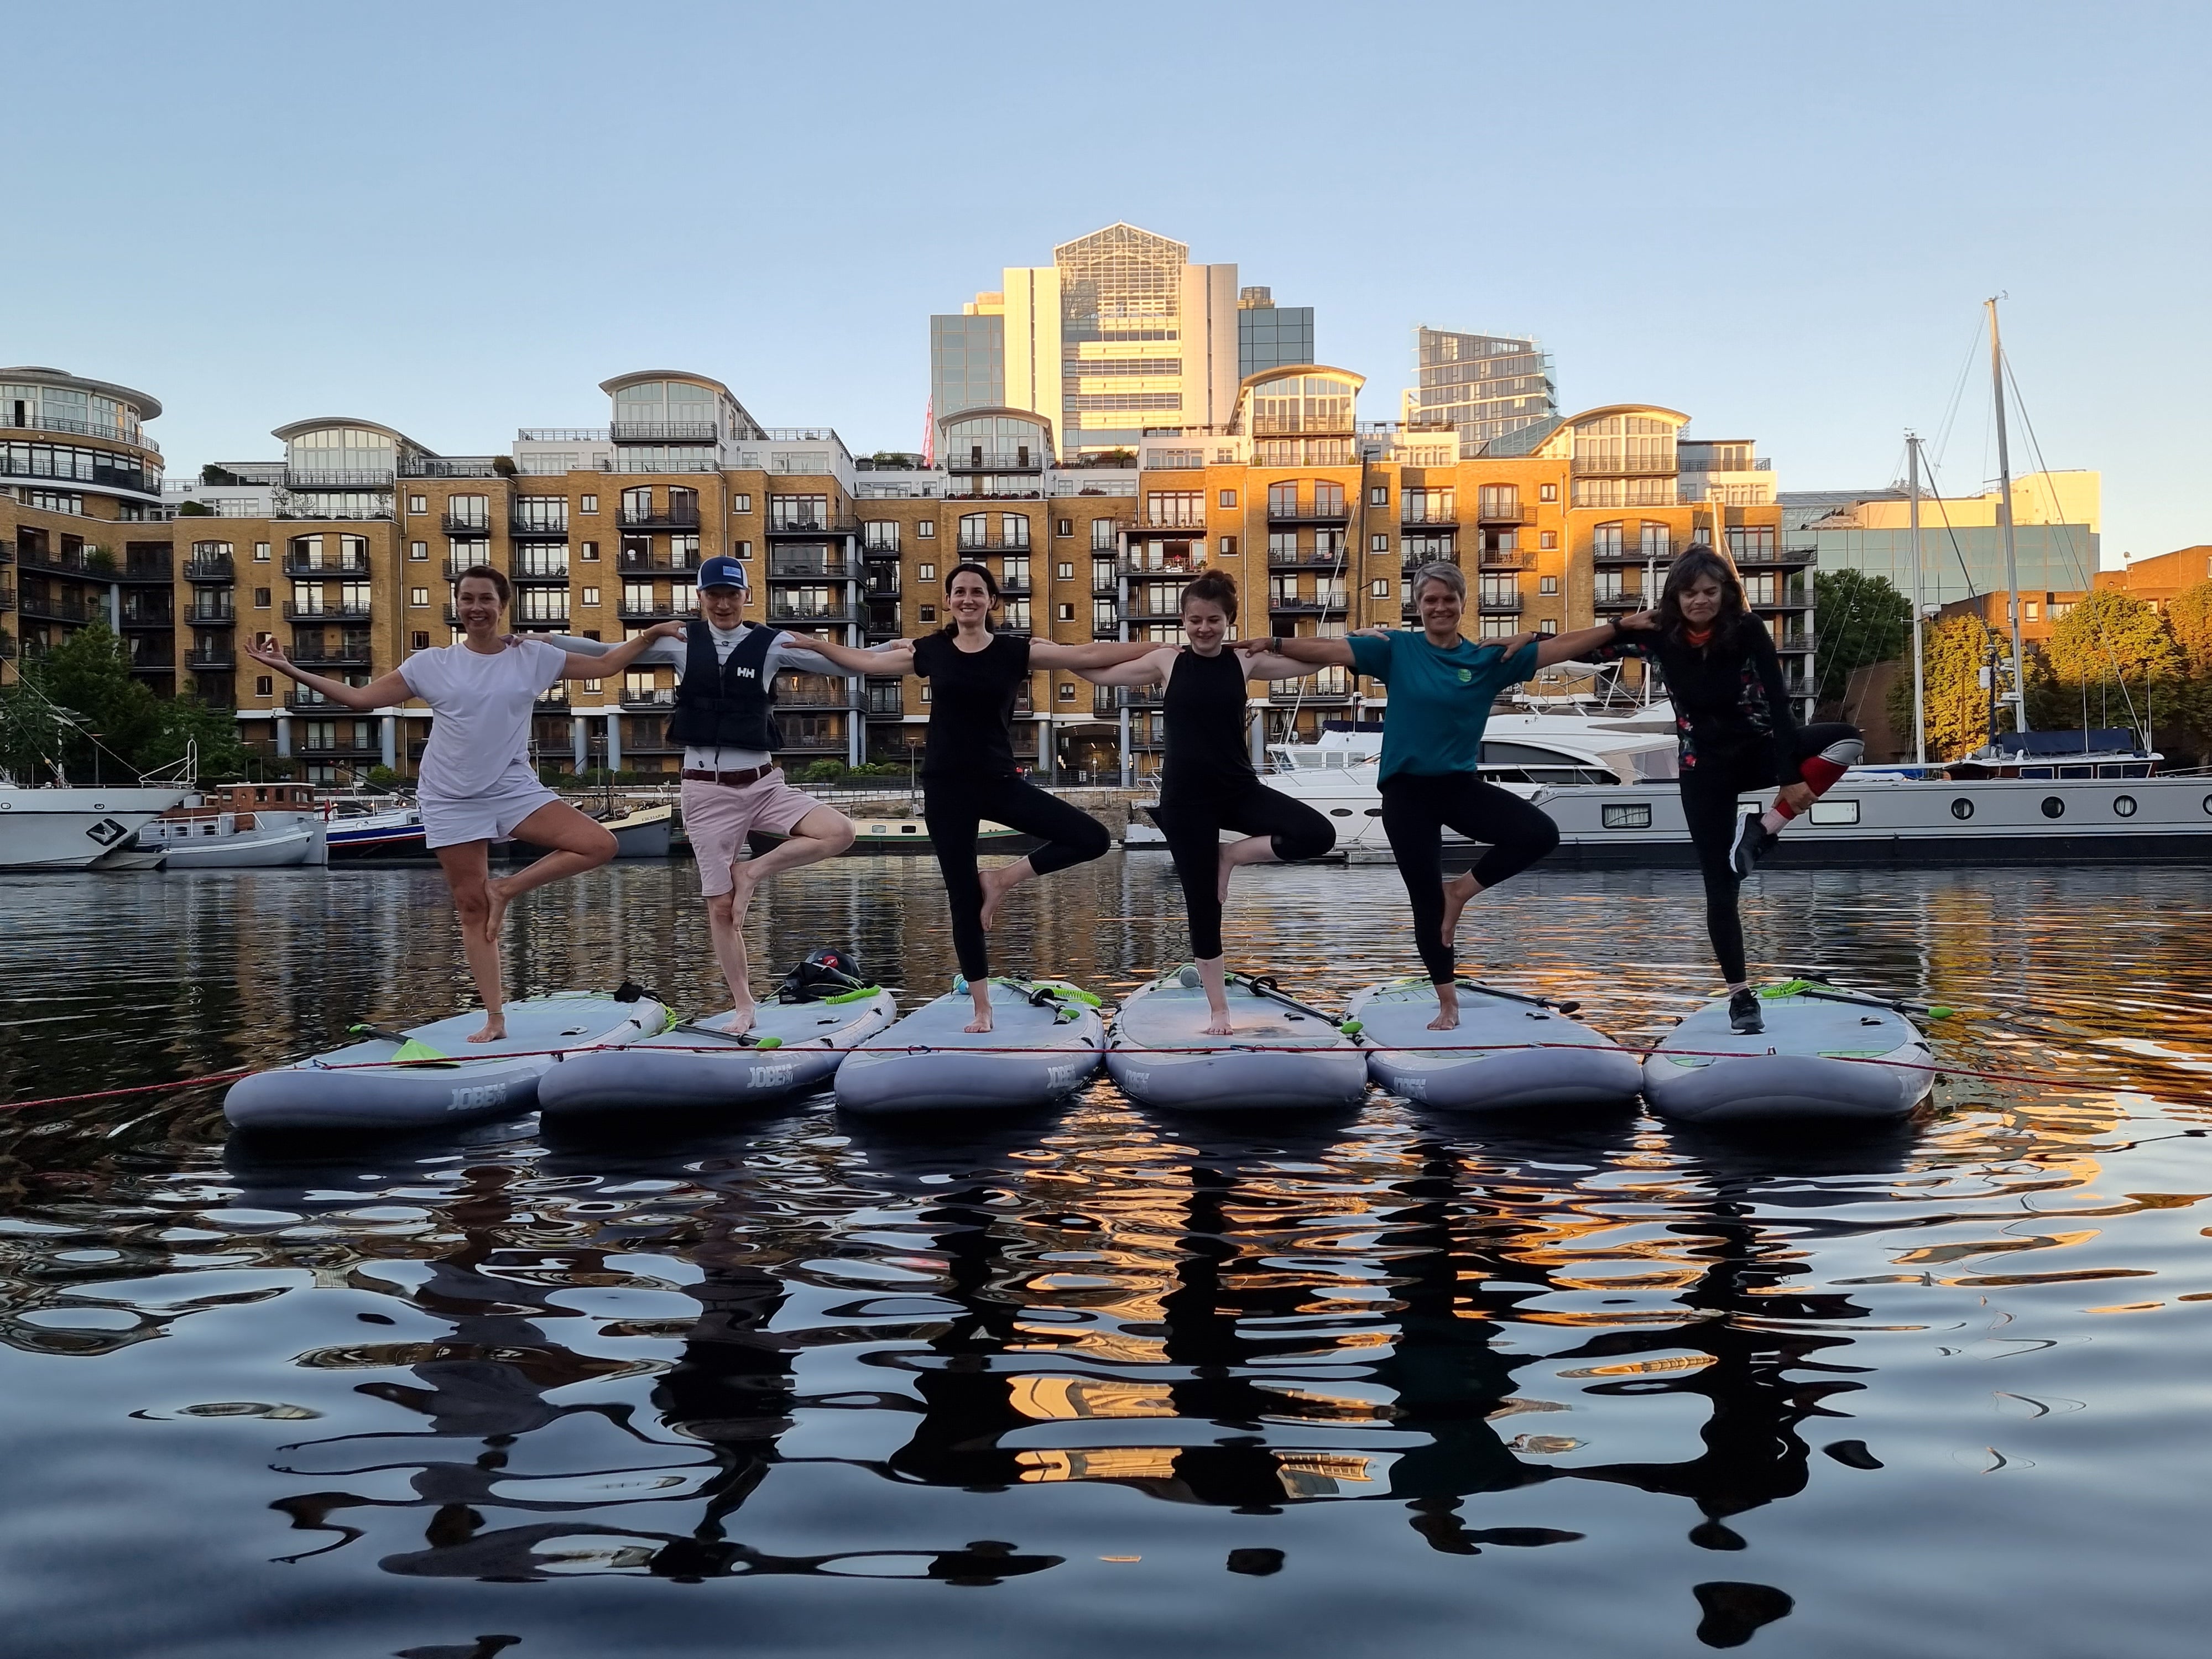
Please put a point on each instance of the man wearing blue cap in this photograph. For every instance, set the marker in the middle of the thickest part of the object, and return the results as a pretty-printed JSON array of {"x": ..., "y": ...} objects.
[{"x": 726, "y": 719}]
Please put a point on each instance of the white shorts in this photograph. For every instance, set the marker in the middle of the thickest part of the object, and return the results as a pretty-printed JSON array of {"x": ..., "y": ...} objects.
[
  {"x": 717, "y": 817},
  {"x": 448, "y": 823}
]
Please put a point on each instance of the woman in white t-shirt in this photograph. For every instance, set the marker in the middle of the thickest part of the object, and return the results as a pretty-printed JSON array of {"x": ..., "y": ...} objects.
[{"x": 476, "y": 785}]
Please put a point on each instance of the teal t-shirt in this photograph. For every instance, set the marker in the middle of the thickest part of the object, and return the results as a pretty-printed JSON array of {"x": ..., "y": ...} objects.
[{"x": 1439, "y": 700}]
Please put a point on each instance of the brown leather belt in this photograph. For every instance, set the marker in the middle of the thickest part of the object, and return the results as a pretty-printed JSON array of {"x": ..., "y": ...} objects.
[{"x": 729, "y": 779}]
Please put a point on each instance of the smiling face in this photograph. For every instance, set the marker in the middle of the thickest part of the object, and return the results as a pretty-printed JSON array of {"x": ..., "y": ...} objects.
[
  {"x": 477, "y": 602},
  {"x": 969, "y": 598},
  {"x": 724, "y": 606},
  {"x": 1205, "y": 624},
  {"x": 1440, "y": 609},
  {"x": 1700, "y": 600}
]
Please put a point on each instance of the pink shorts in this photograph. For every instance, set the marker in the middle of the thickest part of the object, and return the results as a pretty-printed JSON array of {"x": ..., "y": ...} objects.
[{"x": 718, "y": 817}]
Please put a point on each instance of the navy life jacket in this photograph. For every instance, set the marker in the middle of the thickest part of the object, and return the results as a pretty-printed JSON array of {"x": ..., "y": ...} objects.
[{"x": 727, "y": 705}]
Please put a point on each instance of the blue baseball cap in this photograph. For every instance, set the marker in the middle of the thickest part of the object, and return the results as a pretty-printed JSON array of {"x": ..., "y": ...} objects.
[{"x": 723, "y": 572}]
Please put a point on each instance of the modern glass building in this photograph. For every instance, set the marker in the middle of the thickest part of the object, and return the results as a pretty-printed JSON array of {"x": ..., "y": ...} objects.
[
  {"x": 1962, "y": 547},
  {"x": 967, "y": 362},
  {"x": 1486, "y": 385},
  {"x": 1269, "y": 335}
]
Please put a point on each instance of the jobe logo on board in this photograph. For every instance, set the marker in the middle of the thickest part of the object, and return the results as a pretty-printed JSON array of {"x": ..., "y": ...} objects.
[
  {"x": 484, "y": 1094},
  {"x": 1056, "y": 1075},
  {"x": 772, "y": 1077}
]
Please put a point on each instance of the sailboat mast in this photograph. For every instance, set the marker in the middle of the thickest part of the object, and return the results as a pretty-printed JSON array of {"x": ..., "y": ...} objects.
[
  {"x": 1919, "y": 678},
  {"x": 2004, "y": 518}
]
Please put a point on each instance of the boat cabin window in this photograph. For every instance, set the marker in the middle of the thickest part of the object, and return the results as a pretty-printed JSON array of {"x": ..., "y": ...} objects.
[
  {"x": 1835, "y": 812},
  {"x": 1627, "y": 815}
]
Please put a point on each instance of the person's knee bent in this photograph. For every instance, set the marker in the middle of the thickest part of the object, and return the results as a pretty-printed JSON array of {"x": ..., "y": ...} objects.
[
  {"x": 1306, "y": 841},
  {"x": 721, "y": 908},
  {"x": 471, "y": 904},
  {"x": 841, "y": 835},
  {"x": 599, "y": 847},
  {"x": 1540, "y": 836},
  {"x": 1091, "y": 841}
]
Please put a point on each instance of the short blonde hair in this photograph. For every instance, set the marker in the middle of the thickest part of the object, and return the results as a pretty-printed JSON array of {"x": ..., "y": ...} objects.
[{"x": 1449, "y": 575}]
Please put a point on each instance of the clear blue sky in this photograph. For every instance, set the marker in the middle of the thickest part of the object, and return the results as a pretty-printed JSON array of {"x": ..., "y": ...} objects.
[{"x": 458, "y": 218}]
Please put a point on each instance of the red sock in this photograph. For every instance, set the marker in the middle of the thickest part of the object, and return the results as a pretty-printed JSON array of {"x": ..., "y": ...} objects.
[{"x": 1819, "y": 775}]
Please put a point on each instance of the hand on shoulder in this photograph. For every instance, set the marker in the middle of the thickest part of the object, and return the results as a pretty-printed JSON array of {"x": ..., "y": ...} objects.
[{"x": 1641, "y": 620}]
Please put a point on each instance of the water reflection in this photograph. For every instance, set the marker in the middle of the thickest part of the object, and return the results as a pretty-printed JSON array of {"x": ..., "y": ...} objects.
[{"x": 1344, "y": 1354}]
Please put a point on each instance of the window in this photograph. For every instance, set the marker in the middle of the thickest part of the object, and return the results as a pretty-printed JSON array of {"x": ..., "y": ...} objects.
[
  {"x": 592, "y": 552},
  {"x": 261, "y": 598},
  {"x": 798, "y": 512},
  {"x": 2030, "y": 609},
  {"x": 1547, "y": 584},
  {"x": 1379, "y": 495},
  {"x": 591, "y": 596},
  {"x": 1605, "y": 540},
  {"x": 637, "y": 503},
  {"x": 419, "y": 641},
  {"x": 418, "y": 551},
  {"x": 263, "y": 685},
  {"x": 880, "y": 535},
  {"x": 1067, "y": 691},
  {"x": 929, "y": 615},
  {"x": 742, "y": 502},
  {"x": 1017, "y": 614},
  {"x": 1063, "y": 572},
  {"x": 1229, "y": 547},
  {"x": 925, "y": 573},
  {"x": 1328, "y": 496},
  {"x": 1548, "y": 625},
  {"x": 1228, "y": 498},
  {"x": 261, "y": 551},
  {"x": 1547, "y": 493},
  {"x": 547, "y": 512},
  {"x": 588, "y": 504},
  {"x": 1380, "y": 588},
  {"x": 1498, "y": 503},
  {"x": 1176, "y": 509},
  {"x": 1836, "y": 811},
  {"x": 1379, "y": 542},
  {"x": 1101, "y": 535},
  {"x": 1754, "y": 541},
  {"x": 1653, "y": 542},
  {"x": 1063, "y": 527},
  {"x": 1627, "y": 815},
  {"x": 418, "y": 505},
  {"x": 473, "y": 512},
  {"x": 418, "y": 597},
  {"x": 926, "y": 529},
  {"x": 1547, "y": 539},
  {"x": 744, "y": 549},
  {"x": 591, "y": 685},
  {"x": 1498, "y": 628},
  {"x": 1066, "y": 613}
]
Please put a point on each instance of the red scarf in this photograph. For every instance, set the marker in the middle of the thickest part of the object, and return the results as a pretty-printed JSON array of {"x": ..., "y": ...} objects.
[{"x": 1697, "y": 638}]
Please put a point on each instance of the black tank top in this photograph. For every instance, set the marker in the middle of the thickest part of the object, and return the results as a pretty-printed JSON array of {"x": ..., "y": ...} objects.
[{"x": 1204, "y": 710}]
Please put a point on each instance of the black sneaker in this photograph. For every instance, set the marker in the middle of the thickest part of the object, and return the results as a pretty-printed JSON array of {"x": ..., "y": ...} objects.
[
  {"x": 1744, "y": 1017},
  {"x": 1752, "y": 838}
]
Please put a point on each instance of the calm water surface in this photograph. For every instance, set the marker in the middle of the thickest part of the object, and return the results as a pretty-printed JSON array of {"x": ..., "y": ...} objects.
[{"x": 1106, "y": 1380}]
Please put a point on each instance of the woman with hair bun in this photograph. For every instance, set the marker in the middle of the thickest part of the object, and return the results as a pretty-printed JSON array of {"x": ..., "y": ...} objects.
[
  {"x": 476, "y": 785},
  {"x": 1207, "y": 782},
  {"x": 1441, "y": 688},
  {"x": 1736, "y": 733},
  {"x": 968, "y": 771}
]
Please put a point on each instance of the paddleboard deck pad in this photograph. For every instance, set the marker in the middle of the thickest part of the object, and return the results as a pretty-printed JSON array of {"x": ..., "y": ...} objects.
[
  {"x": 1819, "y": 1059},
  {"x": 439, "y": 1077},
  {"x": 793, "y": 1048},
  {"x": 1279, "y": 1058},
  {"x": 1507, "y": 1053},
  {"x": 1044, "y": 1043}
]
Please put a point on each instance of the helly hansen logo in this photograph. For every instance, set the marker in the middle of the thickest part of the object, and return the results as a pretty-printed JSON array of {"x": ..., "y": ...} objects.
[{"x": 746, "y": 673}]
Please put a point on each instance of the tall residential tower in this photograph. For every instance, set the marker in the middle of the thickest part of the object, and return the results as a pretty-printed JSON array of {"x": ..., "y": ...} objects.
[{"x": 1485, "y": 385}]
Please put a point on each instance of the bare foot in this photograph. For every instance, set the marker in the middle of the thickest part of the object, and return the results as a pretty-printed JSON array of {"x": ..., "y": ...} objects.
[
  {"x": 995, "y": 889},
  {"x": 1447, "y": 1019},
  {"x": 494, "y": 1030},
  {"x": 743, "y": 884},
  {"x": 496, "y": 917},
  {"x": 1457, "y": 891},
  {"x": 1221, "y": 1025},
  {"x": 741, "y": 1018},
  {"x": 1222, "y": 887},
  {"x": 981, "y": 1023}
]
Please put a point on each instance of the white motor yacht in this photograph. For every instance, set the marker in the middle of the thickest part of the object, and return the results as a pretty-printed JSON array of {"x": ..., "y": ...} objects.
[{"x": 70, "y": 828}]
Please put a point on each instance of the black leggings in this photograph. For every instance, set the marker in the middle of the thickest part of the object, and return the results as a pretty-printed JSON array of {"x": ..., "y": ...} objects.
[
  {"x": 1710, "y": 792},
  {"x": 1416, "y": 808},
  {"x": 953, "y": 807},
  {"x": 1193, "y": 825}
]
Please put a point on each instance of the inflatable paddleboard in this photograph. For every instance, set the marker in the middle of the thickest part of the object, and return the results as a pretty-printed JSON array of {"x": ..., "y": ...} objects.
[
  {"x": 793, "y": 1047},
  {"x": 441, "y": 1077},
  {"x": 1045, "y": 1043},
  {"x": 1508, "y": 1053},
  {"x": 1280, "y": 1057},
  {"x": 1825, "y": 1053}
]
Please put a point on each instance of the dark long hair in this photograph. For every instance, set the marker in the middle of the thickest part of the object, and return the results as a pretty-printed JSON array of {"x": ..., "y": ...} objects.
[{"x": 1699, "y": 561}]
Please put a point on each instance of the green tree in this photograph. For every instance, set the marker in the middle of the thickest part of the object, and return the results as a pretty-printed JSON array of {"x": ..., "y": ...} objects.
[
  {"x": 1952, "y": 656},
  {"x": 223, "y": 757},
  {"x": 82, "y": 689},
  {"x": 1859, "y": 619},
  {"x": 2112, "y": 655}
]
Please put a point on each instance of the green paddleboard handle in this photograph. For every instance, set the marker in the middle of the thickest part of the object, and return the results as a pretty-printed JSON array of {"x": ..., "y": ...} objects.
[
  {"x": 1936, "y": 1010},
  {"x": 860, "y": 994},
  {"x": 1352, "y": 1028},
  {"x": 769, "y": 1043}
]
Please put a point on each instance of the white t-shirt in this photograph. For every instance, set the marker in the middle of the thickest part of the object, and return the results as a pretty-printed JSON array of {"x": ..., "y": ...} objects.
[
  {"x": 481, "y": 701},
  {"x": 787, "y": 651}
]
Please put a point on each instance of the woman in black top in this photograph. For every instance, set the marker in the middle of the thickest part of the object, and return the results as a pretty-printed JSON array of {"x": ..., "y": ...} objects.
[
  {"x": 967, "y": 764},
  {"x": 1208, "y": 783},
  {"x": 1732, "y": 723}
]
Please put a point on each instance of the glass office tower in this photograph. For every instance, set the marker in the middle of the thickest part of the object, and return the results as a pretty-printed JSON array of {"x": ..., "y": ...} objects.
[{"x": 1485, "y": 385}]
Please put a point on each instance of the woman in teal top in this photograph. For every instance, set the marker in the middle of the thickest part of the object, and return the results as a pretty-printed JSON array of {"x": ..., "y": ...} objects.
[{"x": 1441, "y": 688}]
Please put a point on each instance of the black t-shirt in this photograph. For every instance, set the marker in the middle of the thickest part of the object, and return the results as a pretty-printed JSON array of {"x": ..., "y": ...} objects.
[
  {"x": 971, "y": 703},
  {"x": 1729, "y": 696},
  {"x": 1204, "y": 709}
]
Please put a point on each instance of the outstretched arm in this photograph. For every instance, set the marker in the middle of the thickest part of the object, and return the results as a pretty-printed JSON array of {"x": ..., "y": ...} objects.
[
  {"x": 382, "y": 692},
  {"x": 895, "y": 657},
  {"x": 1310, "y": 650},
  {"x": 1082, "y": 659},
  {"x": 1273, "y": 666},
  {"x": 1148, "y": 670},
  {"x": 606, "y": 664},
  {"x": 1566, "y": 647}
]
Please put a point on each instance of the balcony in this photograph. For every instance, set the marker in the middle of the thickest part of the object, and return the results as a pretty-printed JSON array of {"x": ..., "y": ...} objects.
[
  {"x": 537, "y": 529},
  {"x": 1330, "y": 685},
  {"x": 881, "y": 584},
  {"x": 146, "y": 567},
  {"x": 78, "y": 430},
  {"x": 454, "y": 568},
  {"x": 653, "y": 611},
  {"x": 879, "y": 551},
  {"x": 554, "y": 699},
  {"x": 465, "y": 524},
  {"x": 660, "y": 518},
  {"x": 154, "y": 662},
  {"x": 1774, "y": 558},
  {"x": 1790, "y": 600},
  {"x": 1176, "y": 523},
  {"x": 885, "y": 702},
  {"x": 449, "y": 466},
  {"x": 783, "y": 525},
  {"x": 1309, "y": 558},
  {"x": 346, "y": 654},
  {"x": 302, "y": 478},
  {"x": 1617, "y": 604},
  {"x": 1433, "y": 518},
  {"x": 339, "y": 748},
  {"x": 7, "y": 598},
  {"x": 329, "y": 564},
  {"x": 68, "y": 561},
  {"x": 782, "y": 610},
  {"x": 1013, "y": 460},
  {"x": 98, "y": 476},
  {"x": 649, "y": 432},
  {"x": 1328, "y": 509},
  {"x": 300, "y": 699},
  {"x": 833, "y": 695},
  {"x": 313, "y": 610},
  {"x": 1015, "y": 587},
  {"x": 210, "y": 568},
  {"x": 655, "y": 697},
  {"x": 1295, "y": 604},
  {"x": 1621, "y": 557},
  {"x": 539, "y": 570},
  {"x": 58, "y": 607},
  {"x": 137, "y": 620},
  {"x": 975, "y": 544},
  {"x": 562, "y": 434},
  {"x": 210, "y": 659},
  {"x": 1507, "y": 558},
  {"x": 788, "y": 564},
  {"x": 1624, "y": 466},
  {"x": 1504, "y": 513},
  {"x": 1178, "y": 568},
  {"x": 1499, "y": 604},
  {"x": 656, "y": 563}
]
